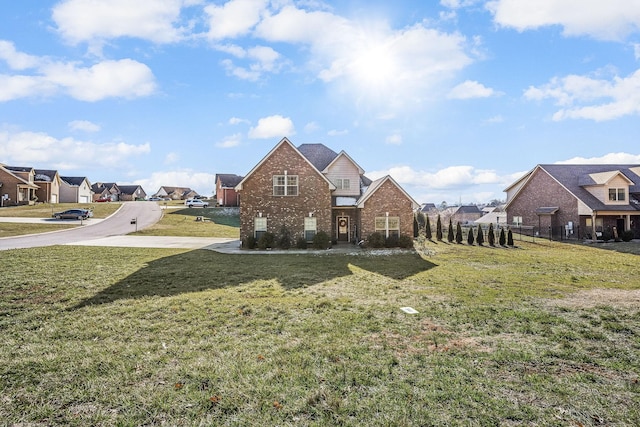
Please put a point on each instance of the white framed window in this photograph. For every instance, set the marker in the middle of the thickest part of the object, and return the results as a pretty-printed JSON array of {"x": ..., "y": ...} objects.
[
  {"x": 343, "y": 183},
  {"x": 617, "y": 194},
  {"x": 310, "y": 228},
  {"x": 259, "y": 226},
  {"x": 517, "y": 220},
  {"x": 389, "y": 225},
  {"x": 285, "y": 185}
]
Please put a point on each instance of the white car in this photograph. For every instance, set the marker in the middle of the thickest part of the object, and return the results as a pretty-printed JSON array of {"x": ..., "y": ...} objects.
[{"x": 196, "y": 203}]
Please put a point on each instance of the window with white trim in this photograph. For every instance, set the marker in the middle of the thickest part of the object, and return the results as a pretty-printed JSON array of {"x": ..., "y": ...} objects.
[
  {"x": 388, "y": 225},
  {"x": 285, "y": 185},
  {"x": 617, "y": 194},
  {"x": 259, "y": 227},
  {"x": 342, "y": 183},
  {"x": 310, "y": 228}
]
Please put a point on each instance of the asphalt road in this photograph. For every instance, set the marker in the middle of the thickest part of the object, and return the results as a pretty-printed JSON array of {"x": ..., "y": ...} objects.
[{"x": 145, "y": 214}]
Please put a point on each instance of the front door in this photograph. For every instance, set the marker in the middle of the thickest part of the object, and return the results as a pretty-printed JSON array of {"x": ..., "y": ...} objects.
[{"x": 343, "y": 228}]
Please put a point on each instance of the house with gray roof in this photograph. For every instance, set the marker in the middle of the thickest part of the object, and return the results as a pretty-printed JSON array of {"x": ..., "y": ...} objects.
[
  {"x": 75, "y": 189},
  {"x": 311, "y": 188},
  {"x": 226, "y": 194},
  {"x": 580, "y": 201}
]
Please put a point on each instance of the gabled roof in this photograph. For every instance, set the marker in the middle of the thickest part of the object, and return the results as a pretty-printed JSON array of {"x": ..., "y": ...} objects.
[
  {"x": 44, "y": 175},
  {"x": 228, "y": 180},
  {"x": 574, "y": 178},
  {"x": 129, "y": 189},
  {"x": 22, "y": 181},
  {"x": 302, "y": 156},
  {"x": 375, "y": 185},
  {"x": 342, "y": 154},
  {"x": 74, "y": 180},
  {"x": 318, "y": 155}
]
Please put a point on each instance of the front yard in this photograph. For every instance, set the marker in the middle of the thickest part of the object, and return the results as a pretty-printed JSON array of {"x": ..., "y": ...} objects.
[{"x": 545, "y": 334}]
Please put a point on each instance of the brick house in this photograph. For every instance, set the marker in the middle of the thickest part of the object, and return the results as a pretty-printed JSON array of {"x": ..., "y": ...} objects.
[
  {"x": 582, "y": 201},
  {"x": 17, "y": 186},
  {"x": 311, "y": 188},
  {"x": 226, "y": 194}
]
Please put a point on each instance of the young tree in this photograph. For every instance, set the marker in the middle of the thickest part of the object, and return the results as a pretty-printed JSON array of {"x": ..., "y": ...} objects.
[
  {"x": 491, "y": 237},
  {"x": 470, "y": 236},
  {"x": 450, "y": 235},
  {"x": 427, "y": 229},
  {"x": 439, "y": 229},
  {"x": 510, "y": 238},
  {"x": 458, "y": 233},
  {"x": 502, "y": 239},
  {"x": 480, "y": 236}
]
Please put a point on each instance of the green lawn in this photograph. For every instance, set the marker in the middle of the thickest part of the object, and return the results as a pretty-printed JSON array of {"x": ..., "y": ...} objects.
[{"x": 545, "y": 334}]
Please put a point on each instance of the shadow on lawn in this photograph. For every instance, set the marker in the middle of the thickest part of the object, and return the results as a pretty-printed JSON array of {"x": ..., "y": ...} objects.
[{"x": 201, "y": 270}]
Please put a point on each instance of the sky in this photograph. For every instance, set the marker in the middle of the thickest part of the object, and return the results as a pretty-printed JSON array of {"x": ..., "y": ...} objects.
[{"x": 455, "y": 99}]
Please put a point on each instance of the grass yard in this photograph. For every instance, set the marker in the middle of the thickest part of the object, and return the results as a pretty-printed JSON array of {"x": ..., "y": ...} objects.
[
  {"x": 545, "y": 334},
  {"x": 218, "y": 222}
]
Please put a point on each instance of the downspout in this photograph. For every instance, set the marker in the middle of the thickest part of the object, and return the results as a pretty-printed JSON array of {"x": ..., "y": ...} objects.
[{"x": 594, "y": 214}]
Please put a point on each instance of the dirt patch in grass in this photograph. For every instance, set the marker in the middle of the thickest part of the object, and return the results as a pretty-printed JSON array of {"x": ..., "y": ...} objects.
[{"x": 600, "y": 297}]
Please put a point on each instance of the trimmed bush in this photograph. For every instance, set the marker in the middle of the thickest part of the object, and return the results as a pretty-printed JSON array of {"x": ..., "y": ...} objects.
[
  {"x": 266, "y": 241},
  {"x": 249, "y": 242},
  {"x": 405, "y": 242},
  {"x": 321, "y": 241},
  {"x": 375, "y": 240}
]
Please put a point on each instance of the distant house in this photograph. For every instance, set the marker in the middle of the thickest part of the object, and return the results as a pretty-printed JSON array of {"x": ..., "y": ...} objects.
[
  {"x": 175, "y": 193},
  {"x": 583, "y": 201},
  {"x": 17, "y": 186},
  {"x": 311, "y": 188},
  {"x": 75, "y": 189},
  {"x": 466, "y": 214},
  {"x": 132, "y": 193},
  {"x": 48, "y": 182},
  {"x": 105, "y": 191},
  {"x": 226, "y": 194}
]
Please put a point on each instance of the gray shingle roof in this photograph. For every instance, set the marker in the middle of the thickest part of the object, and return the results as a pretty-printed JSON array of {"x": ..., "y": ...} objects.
[
  {"x": 574, "y": 177},
  {"x": 318, "y": 154}
]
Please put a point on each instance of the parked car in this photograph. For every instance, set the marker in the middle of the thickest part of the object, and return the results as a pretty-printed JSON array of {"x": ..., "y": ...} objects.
[
  {"x": 196, "y": 203},
  {"x": 73, "y": 214}
]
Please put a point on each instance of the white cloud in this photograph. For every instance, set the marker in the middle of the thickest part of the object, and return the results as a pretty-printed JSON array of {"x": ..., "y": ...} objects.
[
  {"x": 272, "y": 127},
  {"x": 587, "y": 98},
  {"x": 370, "y": 60},
  {"x": 607, "y": 20},
  {"x": 450, "y": 177},
  {"x": 230, "y": 141},
  {"x": 123, "y": 78},
  {"x": 96, "y": 20},
  {"x": 84, "y": 126},
  {"x": 201, "y": 182},
  {"x": 37, "y": 148},
  {"x": 609, "y": 158},
  {"x": 471, "y": 89},
  {"x": 171, "y": 158},
  {"x": 16, "y": 60},
  {"x": 395, "y": 139},
  {"x": 234, "y": 18}
]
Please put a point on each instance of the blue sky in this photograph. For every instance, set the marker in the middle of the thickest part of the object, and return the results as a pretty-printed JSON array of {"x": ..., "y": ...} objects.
[{"x": 455, "y": 99}]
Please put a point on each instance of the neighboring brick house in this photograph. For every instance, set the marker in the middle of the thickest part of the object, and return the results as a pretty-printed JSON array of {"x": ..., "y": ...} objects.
[
  {"x": 311, "y": 188},
  {"x": 105, "y": 191},
  {"x": 130, "y": 193},
  {"x": 17, "y": 186},
  {"x": 226, "y": 194},
  {"x": 48, "y": 182},
  {"x": 581, "y": 201},
  {"x": 75, "y": 189}
]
